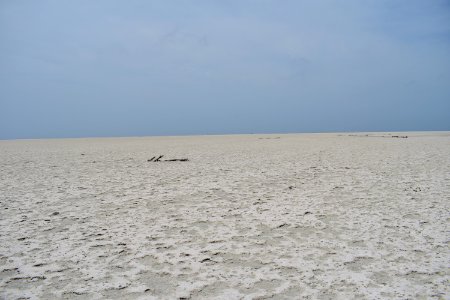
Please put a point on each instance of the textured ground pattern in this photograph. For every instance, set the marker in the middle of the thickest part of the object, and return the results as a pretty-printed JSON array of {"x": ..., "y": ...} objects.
[{"x": 319, "y": 216}]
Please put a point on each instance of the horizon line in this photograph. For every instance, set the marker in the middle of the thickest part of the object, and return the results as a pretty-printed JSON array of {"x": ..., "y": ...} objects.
[{"x": 217, "y": 134}]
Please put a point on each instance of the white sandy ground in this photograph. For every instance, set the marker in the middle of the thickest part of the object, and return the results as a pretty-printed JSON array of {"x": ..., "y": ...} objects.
[{"x": 319, "y": 216}]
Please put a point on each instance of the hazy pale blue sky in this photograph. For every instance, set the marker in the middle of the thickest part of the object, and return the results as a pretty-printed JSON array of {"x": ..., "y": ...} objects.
[{"x": 119, "y": 68}]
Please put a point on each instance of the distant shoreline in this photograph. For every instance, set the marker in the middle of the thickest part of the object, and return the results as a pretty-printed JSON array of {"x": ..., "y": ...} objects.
[{"x": 426, "y": 132}]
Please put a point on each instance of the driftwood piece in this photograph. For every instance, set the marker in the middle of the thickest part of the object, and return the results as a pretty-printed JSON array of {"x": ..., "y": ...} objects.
[
  {"x": 177, "y": 159},
  {"x": 158, "y": 159}
]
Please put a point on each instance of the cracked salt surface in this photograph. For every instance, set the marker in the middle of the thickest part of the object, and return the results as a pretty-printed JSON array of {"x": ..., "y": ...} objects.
[{"x": 320, "y": 216}]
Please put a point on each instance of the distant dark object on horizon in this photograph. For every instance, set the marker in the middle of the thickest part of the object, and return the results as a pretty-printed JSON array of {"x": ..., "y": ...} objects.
[
  {"x": 382, "y": 136},
  {"x": 400, "y": 136}
]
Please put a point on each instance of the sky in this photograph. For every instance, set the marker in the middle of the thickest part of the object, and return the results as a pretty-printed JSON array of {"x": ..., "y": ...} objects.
[{"x": 92, "y": 68}]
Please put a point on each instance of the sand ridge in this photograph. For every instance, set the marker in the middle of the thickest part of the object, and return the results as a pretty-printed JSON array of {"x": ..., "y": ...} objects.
[{"x": 319, "y": 216}]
